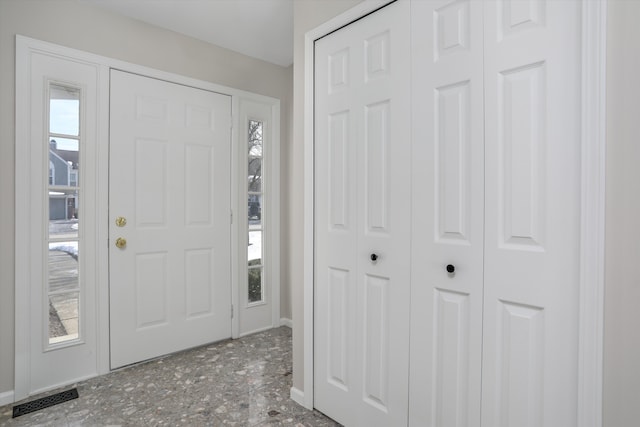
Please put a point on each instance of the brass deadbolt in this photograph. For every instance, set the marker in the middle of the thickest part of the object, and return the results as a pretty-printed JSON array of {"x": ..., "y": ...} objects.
[{"x": 121, "y": 242}]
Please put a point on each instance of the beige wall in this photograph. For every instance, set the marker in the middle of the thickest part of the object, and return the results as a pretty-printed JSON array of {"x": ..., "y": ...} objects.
[
  {"x": 622, "y": 288},
  {"x": 85, "y": 27}
]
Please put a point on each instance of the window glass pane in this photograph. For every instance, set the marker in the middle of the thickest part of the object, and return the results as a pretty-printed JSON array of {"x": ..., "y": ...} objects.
[
  {"x": 63, "y": 266},
  {"x": 254, "y": 251},
  {"x": 63, "y": 214},
  {"x": 255, "y": 174},
  {"x": 64, "y": 110},
  {"x": 65, "y": 144},
  {"x": 254, "y": 209},
  {"x": 73, "y": 178},
  {"x": 63, "y": 317},
  {"x": 255, "y": 284},
  {"x": 63, "y": 289},
  {"x": 64, "y": 161},
  {"x": 255, "y": 138}
]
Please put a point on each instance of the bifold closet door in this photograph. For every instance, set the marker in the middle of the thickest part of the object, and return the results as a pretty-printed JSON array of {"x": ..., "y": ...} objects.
[
  {"x": 508, "y": 129},
  {"x": 532, "y": 212},
  {"x": 448, "y": 213},
  {"x": 362, "y": 220}
]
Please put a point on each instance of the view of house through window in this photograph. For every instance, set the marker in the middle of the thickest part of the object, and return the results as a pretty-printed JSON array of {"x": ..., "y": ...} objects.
[
  {"x": 254, "y": 209},
  {"x": 63, "y": 284}
]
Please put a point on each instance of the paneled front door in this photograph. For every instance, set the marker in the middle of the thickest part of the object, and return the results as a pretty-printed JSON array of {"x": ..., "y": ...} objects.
[{"x": 169, "y": 218}]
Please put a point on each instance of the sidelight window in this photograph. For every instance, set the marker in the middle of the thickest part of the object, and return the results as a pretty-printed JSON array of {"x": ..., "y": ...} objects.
[
  {"x": 255, "y": 204},
  {"x": 63, "y": 285}
]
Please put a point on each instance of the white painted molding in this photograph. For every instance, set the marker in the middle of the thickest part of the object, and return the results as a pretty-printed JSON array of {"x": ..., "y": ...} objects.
[
  {"x": 102, "y": 224},
  {"x": 592, "y": 227},
  {"x": 275, "y": 214},
  {"x": 269, "y": 114},
  {"x": 236, "y": 203},
  {"x": 6, "y": 398},
  {"x": 286, "y": 322},
  {"x": 255, "y": 331},
  {"x": 58, "y": 50},
  {"x": 357, "y": 12},
  {"x": 297, "y": 396},
  {"x": 22, "y": 225}
]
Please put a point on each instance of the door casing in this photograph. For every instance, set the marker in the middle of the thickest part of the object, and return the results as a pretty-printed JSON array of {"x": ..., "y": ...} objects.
[
  {"x": 25, "y": 46},
  {"x": 590, "y": 349}
]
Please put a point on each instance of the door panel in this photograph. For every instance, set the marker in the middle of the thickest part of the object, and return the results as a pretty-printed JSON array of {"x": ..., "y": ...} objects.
[
  {"x": 448, "y": 219},
  {"x": 363, "y": 208},
  {"x": 170, "y": 179},
  {"x": 532, "y": 244}
]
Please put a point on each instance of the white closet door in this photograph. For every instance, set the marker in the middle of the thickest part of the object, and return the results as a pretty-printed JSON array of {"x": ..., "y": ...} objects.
[
  {"x": 526, "y": 325},
  {"x": 362, "y": 199},
  {"x": 532, "y": 108},
  {"x": 448, "y": 208}
]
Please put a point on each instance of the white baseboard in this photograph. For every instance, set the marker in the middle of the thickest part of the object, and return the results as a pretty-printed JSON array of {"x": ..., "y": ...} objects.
[
  {"x": 286, "y": 322},
  {"x": 297, "y": 396},
  {"x": 6, "y": 398},
  {"x": 255, "y": 331}
]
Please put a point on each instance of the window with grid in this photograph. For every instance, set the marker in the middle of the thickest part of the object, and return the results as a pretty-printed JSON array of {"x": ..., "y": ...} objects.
[
  {"x": 63, "y": 288},
  {"x": 255, "y": 203}
]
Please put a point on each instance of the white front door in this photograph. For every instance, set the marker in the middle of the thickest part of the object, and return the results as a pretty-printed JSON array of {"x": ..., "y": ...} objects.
[
  {"x": 169, "y": 199},
  {"x": 362, "y": 220}
]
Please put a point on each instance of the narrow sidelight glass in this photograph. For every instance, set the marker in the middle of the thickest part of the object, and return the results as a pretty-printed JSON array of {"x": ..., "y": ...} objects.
[
  {"x": 255, "y": 200},
  {"x": 64, "y": 283}
]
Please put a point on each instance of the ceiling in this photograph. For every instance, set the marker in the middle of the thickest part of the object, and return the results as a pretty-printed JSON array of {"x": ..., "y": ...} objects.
[{"x": 261, "y": 29}]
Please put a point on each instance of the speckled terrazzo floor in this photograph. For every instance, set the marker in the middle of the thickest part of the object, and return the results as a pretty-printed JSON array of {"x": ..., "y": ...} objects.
[{"x": 243, "y": 382}]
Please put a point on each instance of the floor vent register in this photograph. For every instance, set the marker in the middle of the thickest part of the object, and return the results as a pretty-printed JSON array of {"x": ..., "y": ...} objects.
[{"x": 44, "y": 402}]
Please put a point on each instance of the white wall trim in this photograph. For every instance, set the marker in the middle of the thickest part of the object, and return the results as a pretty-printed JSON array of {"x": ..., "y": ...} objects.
[
  {"x": 310, "y": 37},
  {"x": 274, "y": 215},
  {"x": 6, "y": 398},
  {"x": 24, "y": 47},
  {"x": 255, "y": 331},
  {"x": 22, "y": 222},
  {"x": 253, "y": 318},
  {"x": 297, "y": 396},
  {"x": 286, "y": 322},
  {"x": 590, "y": 352},
  {"x": 592, "y": 231},
  {"x": 235, "y": 209}
]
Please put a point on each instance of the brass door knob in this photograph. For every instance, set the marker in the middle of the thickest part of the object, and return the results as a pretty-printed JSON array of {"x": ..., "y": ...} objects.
[
  {"x": 121, "y": 242},
  {"x": 121, "y": 221}
]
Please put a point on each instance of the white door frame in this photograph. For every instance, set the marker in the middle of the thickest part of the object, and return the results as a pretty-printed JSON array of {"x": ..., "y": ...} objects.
[
  {"x": 590, "y": 351},
  {"x": 25, "y": 47}
]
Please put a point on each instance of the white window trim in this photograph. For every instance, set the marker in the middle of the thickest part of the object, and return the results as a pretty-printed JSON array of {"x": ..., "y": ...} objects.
[
  {"x": 591, "y": 342},
  {"x": 24, "y": 47},
  {"x": 255, "y": 110}
]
